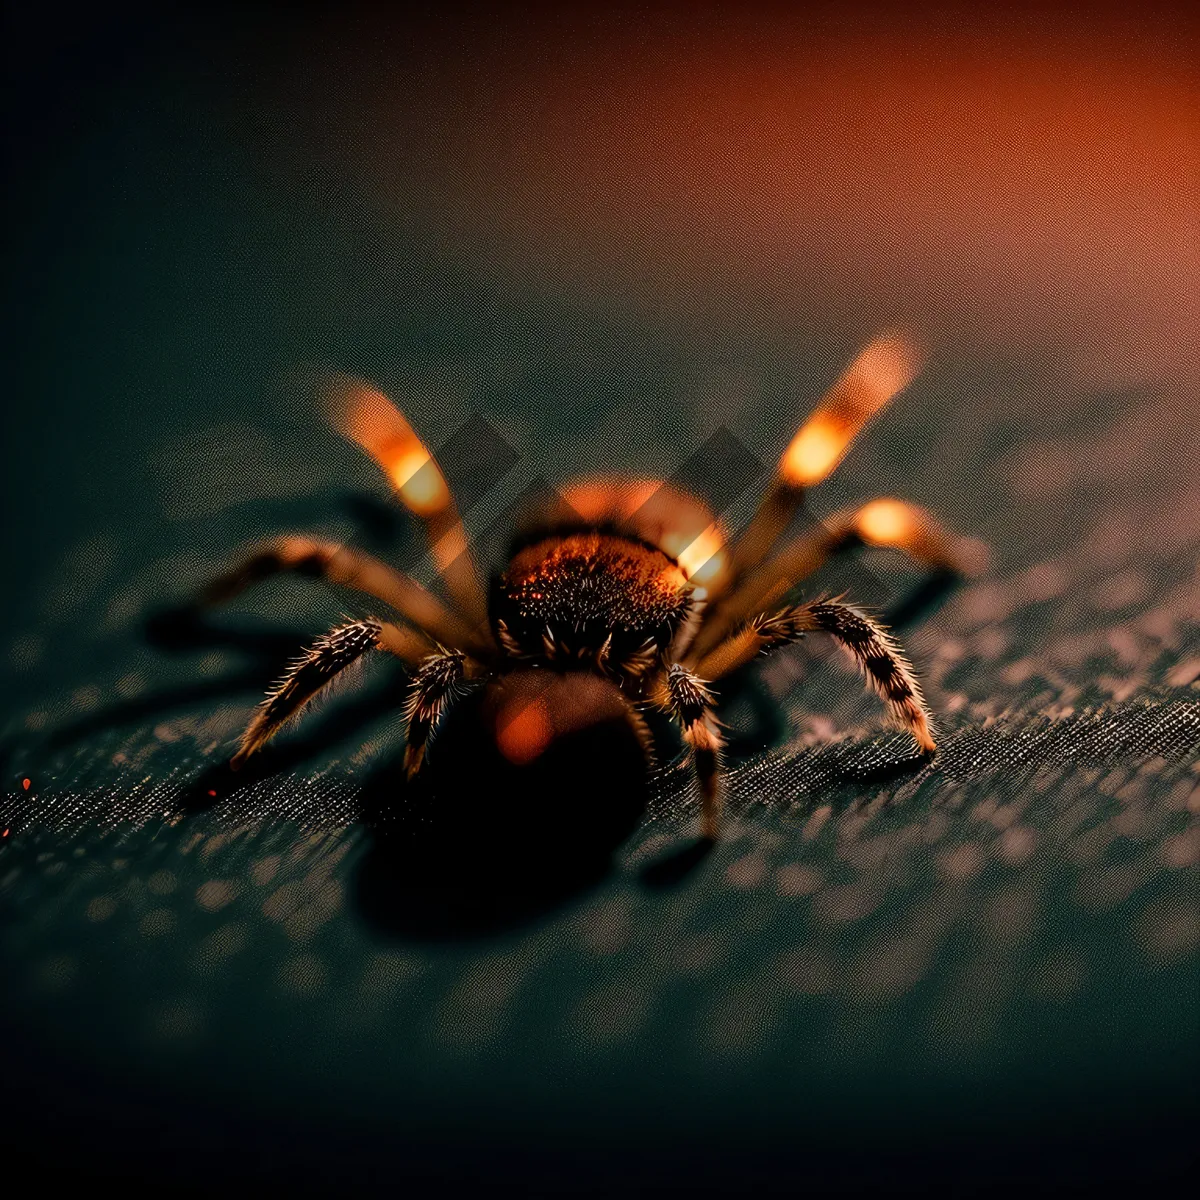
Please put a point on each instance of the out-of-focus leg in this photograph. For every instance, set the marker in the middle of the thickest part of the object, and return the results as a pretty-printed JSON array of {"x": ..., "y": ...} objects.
[
  {"x": 366, "y": 416},
  {"x": 349, "y": 568}
]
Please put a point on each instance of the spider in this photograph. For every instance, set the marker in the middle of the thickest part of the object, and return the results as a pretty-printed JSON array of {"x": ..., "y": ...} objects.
[{"x": 627, "y": 597}]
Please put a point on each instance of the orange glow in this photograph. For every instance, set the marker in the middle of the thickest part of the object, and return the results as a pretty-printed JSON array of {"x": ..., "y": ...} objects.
[
  {"x": 406, "y": 464},
  {"x": 702, "y": 558},
  {"x": 814, "y": 451},
  {"x": 1001, "y": 182},
  {"x": 523, "y": 736},
  {"x": 604, "y": 496},
  {"x": 661, "y": 513},
  {"x": 450, "y": 548},
  {"x": 894, "y": 524},
  {"x": 886, "y": 523},
  {"x": 712, "y": 570},
  {"x": 25, "y": 784},
  {"x": 366, "y": 416},
  {"x": 884, "y": 368},
  {"x": 419, "y": 482}
]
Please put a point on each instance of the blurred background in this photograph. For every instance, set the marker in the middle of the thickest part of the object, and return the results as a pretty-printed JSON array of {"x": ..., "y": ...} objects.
[{"x": 609, "y": 233}]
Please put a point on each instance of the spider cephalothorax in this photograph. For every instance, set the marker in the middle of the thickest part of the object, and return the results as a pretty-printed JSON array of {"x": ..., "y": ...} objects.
[
  {"x": 596, "y": 599},
  {"x": 628, "y": 598}
]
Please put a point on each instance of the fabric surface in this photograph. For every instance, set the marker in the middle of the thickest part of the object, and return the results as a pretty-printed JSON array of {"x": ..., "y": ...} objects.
[{"x": 886, "y": 969}]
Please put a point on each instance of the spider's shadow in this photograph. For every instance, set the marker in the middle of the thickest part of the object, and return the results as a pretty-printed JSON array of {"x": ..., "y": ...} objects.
[{"x": 474, "y": 847}]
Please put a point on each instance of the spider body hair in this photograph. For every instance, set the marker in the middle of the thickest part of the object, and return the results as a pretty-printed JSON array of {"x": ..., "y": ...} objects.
[
  {"x": 590, "y": 600},
  {"x": 616, "y": 597}
]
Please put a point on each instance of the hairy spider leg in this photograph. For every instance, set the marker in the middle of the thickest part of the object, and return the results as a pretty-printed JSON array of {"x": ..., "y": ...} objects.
[
  {"x": 882, "y": 522},
  {"x": 441, "y": 678},
  {"x": 873, "y": 650},
  {"x": 687, "y": 699},
  {"x": 317, "y": 670}
]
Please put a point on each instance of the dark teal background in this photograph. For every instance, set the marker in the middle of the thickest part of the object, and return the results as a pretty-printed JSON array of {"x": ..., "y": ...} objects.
[{"x": 982, "y": 971}]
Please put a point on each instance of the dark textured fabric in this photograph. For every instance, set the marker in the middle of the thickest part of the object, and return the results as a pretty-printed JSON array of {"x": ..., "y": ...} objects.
[{"x": 980, "y": 964}]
